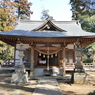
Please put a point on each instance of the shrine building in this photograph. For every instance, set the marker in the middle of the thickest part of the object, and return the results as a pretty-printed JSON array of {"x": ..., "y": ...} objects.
[{"x": 49, "y": 44}]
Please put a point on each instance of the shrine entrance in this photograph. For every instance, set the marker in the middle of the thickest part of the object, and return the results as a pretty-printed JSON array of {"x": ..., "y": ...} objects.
[{"x": 43, "y": 60}]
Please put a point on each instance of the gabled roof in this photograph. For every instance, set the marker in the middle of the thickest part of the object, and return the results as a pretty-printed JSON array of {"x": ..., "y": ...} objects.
[
  {"x": 58, "y": 29},
  {"x": 48, "y": 25}
]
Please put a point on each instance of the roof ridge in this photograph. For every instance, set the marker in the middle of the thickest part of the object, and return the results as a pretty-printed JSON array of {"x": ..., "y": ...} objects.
[{"x": 72, "y": 21}]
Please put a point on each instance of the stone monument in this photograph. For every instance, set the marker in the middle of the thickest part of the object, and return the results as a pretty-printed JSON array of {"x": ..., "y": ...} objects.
[{"x": 20, "y": 75}]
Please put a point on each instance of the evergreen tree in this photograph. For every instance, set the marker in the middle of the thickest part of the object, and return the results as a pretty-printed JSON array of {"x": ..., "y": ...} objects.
[
  {"x": 45, "y": 15},
  {"x": 23, "y": 9},
  {"x": 8, "y": 19},
  {"x": 7, "y": 23},
  {"x": 88, "y": 23},
  {"x": 6, "y": 52},
  {"x": 84, "y": 10},
  {"x": 82, "y": 7}
]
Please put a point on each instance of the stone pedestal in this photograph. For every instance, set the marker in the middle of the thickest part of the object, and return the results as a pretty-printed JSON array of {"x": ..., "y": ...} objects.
[
  {"x": 79, "y": 78},
  {"x": 55, "y": 71},
  {"x": 20, "y": 75}
]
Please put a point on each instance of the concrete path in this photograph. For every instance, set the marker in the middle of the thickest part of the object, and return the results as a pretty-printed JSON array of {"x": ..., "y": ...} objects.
[{"x": 47, "y": 87}]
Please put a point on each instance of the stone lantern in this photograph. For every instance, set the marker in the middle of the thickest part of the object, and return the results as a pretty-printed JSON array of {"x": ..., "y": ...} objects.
[
  {"x": 20, "y": 75},
  {"x": 78, "y": 75},
  {"x": 21, "y": 50},
  {"x": 78, "y": 58}
]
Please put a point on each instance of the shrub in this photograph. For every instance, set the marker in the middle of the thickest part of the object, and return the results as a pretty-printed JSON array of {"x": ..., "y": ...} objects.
[{"x": 87, "y": 60}]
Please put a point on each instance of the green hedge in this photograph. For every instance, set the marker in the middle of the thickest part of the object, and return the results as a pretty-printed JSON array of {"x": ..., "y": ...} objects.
[{"x": 87, "y": 60}]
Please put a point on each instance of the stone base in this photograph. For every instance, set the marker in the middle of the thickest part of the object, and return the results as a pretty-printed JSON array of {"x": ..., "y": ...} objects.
[
  {"x": 79, "y": 78},
  {"x": 20, "y": 75},
  {"x": 47, "y": 72}
]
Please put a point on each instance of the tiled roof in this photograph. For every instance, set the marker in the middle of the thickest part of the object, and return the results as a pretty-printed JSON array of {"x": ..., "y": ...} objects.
[
  {"x": 24, "y": 28},
  {"x": 34, "y": 34}
]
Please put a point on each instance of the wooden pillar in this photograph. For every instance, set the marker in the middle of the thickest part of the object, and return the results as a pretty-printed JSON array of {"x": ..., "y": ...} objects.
[
  {"x": 74, "y": 55},
  {"x": 14, "y": 54},
  {"x": 64, "y": 62},
  {"x": 32, "y": 62},
  {"x": 48, "y": 59}
]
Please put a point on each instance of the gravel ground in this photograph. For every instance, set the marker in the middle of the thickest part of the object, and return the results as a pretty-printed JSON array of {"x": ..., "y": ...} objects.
[
  {"x": 79, "y": 89},
  {"x": 8, "y": 88}
]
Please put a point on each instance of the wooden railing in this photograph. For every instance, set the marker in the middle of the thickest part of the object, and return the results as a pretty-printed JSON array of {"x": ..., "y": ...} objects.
[
  {"x": 88, "y": 65},
  {"x": 85, "y": 65},
  {"x": 8, "y": 64},
  {"x": 12, "y": 64},
  {"x": 68, "y": 65}
]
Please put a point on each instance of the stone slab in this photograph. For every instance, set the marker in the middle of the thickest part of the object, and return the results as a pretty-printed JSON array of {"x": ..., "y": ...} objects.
[{"x": 47, "y": 87}]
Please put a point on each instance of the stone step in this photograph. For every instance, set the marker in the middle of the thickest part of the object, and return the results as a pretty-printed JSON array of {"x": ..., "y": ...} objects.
[
  {"x": 38, "y": 71},
  {"x": 55, "y": 71}
]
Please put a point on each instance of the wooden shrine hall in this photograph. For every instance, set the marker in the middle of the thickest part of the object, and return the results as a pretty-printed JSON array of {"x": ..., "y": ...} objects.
[{"x": 49, "y": 44}]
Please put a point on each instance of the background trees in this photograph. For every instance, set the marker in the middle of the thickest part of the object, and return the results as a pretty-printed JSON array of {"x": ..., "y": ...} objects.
[
  {"x": 7, "y": 23},
  {"x": 10, "y": 10},
  {"x": 7, "y": 15},
  {"x": 82, "y": 7},
  {"x": 45, "y": 15},
  {"x": 23, "y": 9},
  {"x": 88, "y": 23},
  {"x": 84, "y": 11},
  {"x": 6, "y": 52}
]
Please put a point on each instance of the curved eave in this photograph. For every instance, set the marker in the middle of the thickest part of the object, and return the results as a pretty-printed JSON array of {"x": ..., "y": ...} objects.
[{"x": 37, "y": 37}]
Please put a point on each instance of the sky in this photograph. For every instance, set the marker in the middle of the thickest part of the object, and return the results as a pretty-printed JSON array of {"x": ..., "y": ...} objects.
[{"x": 59, "y": 9}]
